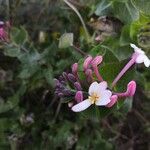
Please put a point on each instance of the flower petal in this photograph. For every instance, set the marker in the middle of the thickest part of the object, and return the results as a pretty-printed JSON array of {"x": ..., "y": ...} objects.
[
  {"x": 146, "y": 61},
  {"x": 81, "y": 106},
  {"x": 94, "y": 87},
  {"x": 104, "y": 98},
  {"x": 103, "y": 85},
  {"x": 136, "y": 49},
  {"x": 140, "y": 59}
]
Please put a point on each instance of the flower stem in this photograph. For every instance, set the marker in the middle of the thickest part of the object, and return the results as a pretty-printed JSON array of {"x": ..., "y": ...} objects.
[
  {"x": 126, "y": 67},
  {"x": 99, "y": 77}
]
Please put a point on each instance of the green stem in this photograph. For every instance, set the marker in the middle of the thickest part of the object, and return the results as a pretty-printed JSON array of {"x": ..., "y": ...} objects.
[{"x": 80, "y": 17}]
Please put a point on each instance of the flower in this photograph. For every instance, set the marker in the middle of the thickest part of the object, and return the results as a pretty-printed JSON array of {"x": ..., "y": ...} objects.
[
  {"x": 131, "y": 88},
  {"x": 98, "y": 95},
  {"x": 137, "y": 57},
  {"x": 141, "y": 56}
]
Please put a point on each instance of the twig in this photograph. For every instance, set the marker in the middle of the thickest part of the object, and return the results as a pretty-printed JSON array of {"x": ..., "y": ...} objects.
[
  {"x": 79, "y": 50},
  {"x": 58, "y": 109},
  {"x": 80, "y": 17}
]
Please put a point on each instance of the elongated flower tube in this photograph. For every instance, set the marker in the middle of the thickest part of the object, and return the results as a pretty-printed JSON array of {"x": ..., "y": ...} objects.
[
  {"x": 95, "y": 62},
  {"x": 137, "y": 57},
  {"x": 98, "y": 95},
  {"x": 131, "y": 88},
  {"x": 89, "y": 76},
  {"x": 113, "y": 101}
]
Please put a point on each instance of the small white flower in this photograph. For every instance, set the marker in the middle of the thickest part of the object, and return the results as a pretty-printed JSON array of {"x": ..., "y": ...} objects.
[
  {"x": 98, "y": 95},
  {"x": 141, "y": 58}
]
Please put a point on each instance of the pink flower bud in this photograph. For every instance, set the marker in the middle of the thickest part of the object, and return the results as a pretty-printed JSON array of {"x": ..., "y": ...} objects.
[
  {"x": 77, "y": 86},
  {"x": 131, "y": 88},
  {"x": 87, "y": 62},
  {"x": 97, "y": 60},
  {"x": 75, "y": 68},
  {"x": 113, "y": 101},
  {"x": 79, "y": 96}
]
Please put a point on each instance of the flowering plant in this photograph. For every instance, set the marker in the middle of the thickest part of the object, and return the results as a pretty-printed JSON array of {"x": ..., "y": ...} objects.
[{"x": 85, "y": 87}]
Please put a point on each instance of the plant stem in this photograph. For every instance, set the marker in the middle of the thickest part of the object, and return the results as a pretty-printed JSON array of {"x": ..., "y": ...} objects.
[
  {"x": 127, "y": 66},
  {"x": 79, "y": 50},
  {"x": 80, "y": 17}
]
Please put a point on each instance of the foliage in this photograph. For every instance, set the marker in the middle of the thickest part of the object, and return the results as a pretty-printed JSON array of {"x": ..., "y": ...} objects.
[{"x": 31, "y": 116}]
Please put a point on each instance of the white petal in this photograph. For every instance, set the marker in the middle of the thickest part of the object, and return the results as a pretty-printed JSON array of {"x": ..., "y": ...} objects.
[
  {"x": 104, "y": 99},
  {"x": 94, "y": 87},
  {"x": 81, "y": 106},
  {"x": 146, "y": 61},
  {"x": 103, "y": 85},
  {"x": 136, "y": 49},
  {"x": 140, "y": 59}
]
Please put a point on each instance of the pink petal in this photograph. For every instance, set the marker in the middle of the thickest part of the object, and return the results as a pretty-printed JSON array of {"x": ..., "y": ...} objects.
[{"x": 81, "y": 106}]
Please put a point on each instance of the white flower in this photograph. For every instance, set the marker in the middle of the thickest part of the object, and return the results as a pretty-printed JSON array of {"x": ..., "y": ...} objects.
[
  {"x": 98, "y": 95},
  {"x": 141, "y": 58}
]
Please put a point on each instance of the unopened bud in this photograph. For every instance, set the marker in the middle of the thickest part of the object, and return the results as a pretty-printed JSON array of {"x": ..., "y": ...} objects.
[
  {"x": 87, "y": 62},
  {"x": 79, "y": 96},
  {"x": 131, "y": 88}
]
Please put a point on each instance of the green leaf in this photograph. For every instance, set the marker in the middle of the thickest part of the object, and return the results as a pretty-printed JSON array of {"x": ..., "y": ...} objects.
[
  {"x": 104, "y": 51},
  {"x": 125, "y": 11},
  {"x": 103, "y": 8},
  {"x": 110, "y": 71},
  {"x": 136, "y": 25},
  {"x": 12, "y": 52},
  {"x": 10, "y": 104},
  {"x": 30, "y": 64},
  {"x": 142, "y": 5},
  {"x": 19, "y": 36},
  {"x": 120, "y": 52},
  {"x": 48, "y": 73},
  {"x": 125, "y": 36},
  {"x": 66, "y": 40}
]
